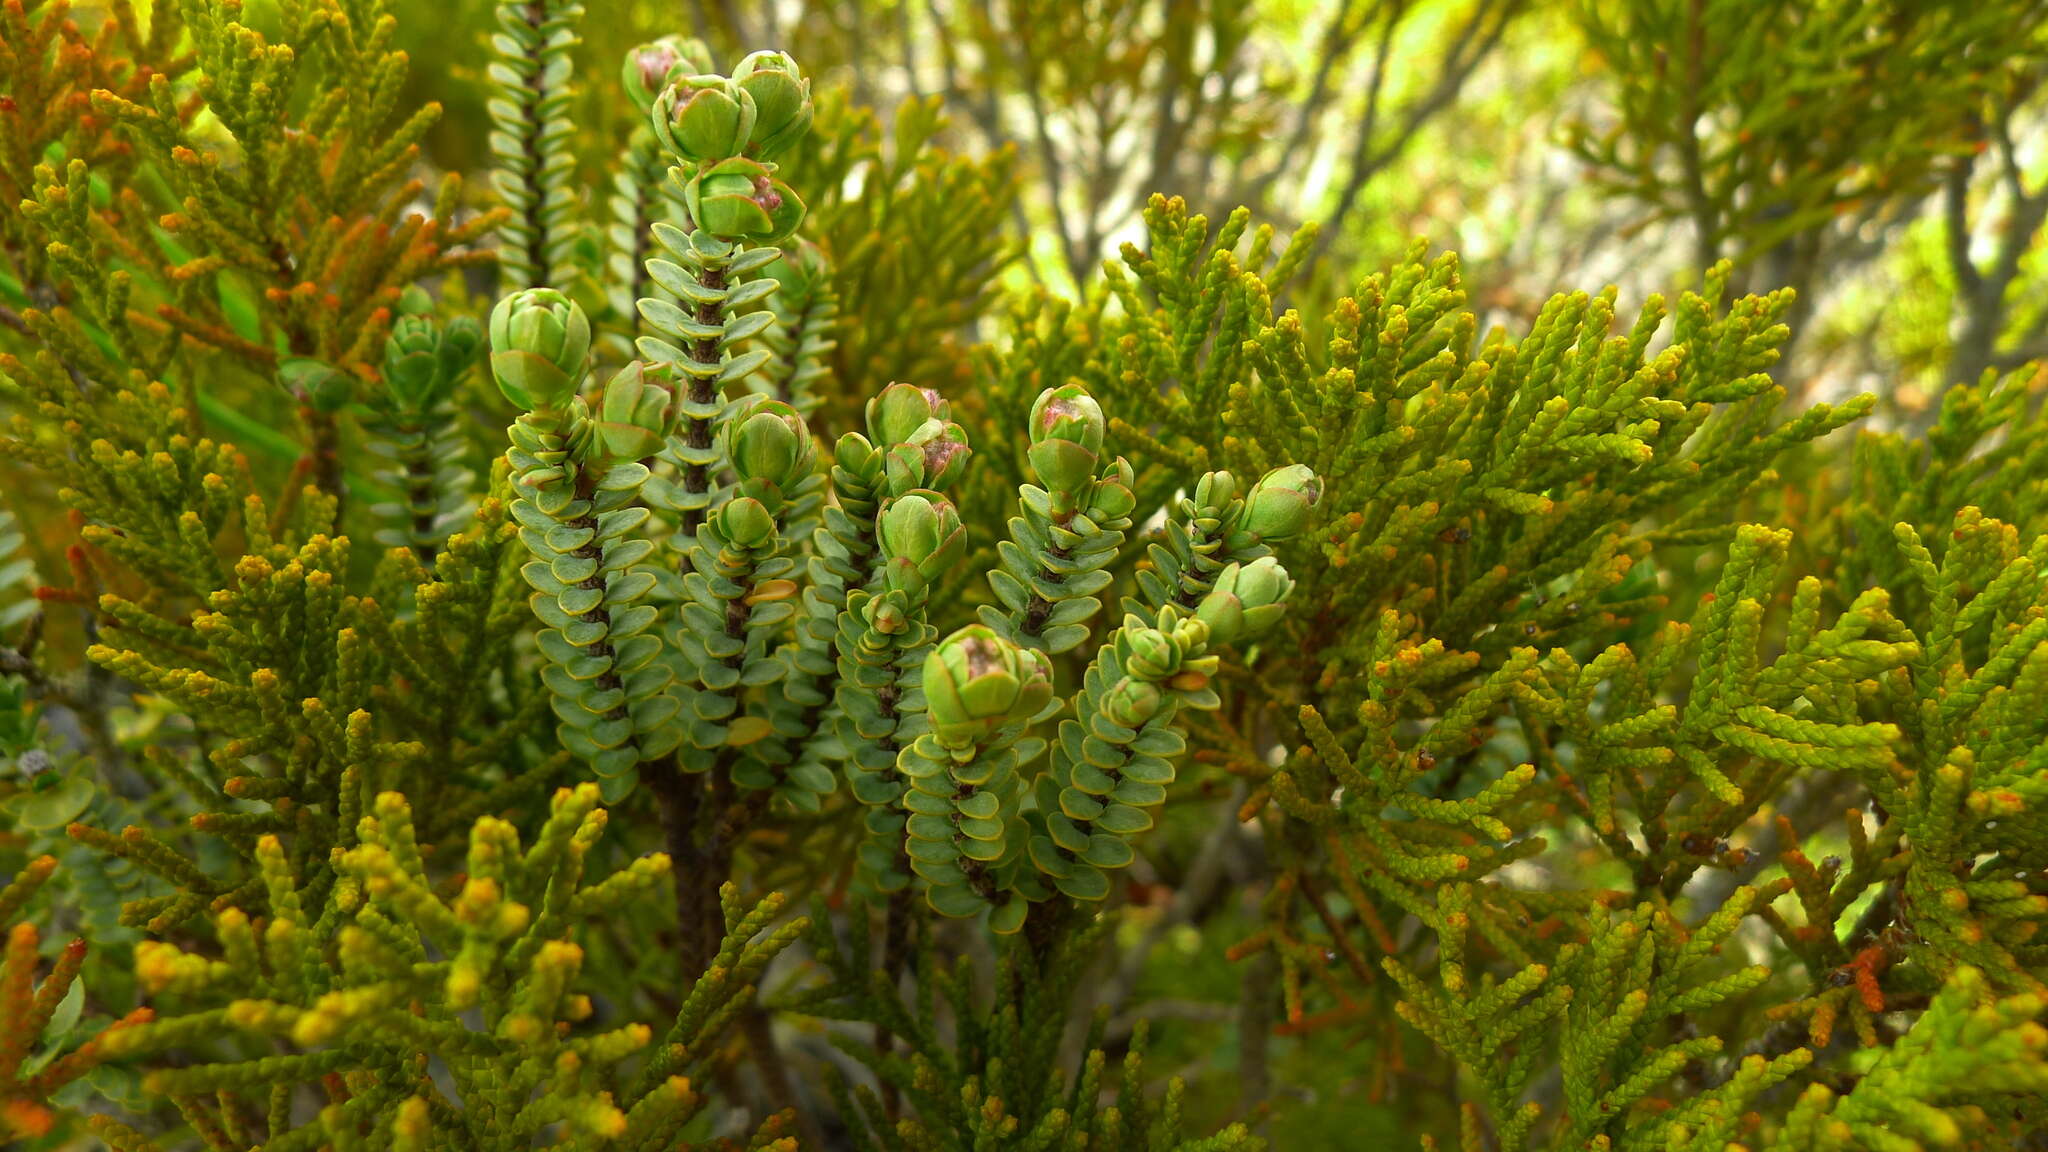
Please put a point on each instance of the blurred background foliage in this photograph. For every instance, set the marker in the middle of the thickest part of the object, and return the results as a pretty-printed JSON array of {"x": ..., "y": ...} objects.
[
  {"x": 1884, "y": 158},
  {"x": 1887, "y": 159}
]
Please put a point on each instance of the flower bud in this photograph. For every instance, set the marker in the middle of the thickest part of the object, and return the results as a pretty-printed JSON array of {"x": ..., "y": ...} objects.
[
  {"x": 1246, "y": 600},
  {"x": 412, "y": 361},
  {"x": 782, "y": 102},
  {"x": 976, "y": 683},
  {"x": 1131, "y": 702},
  {"x": 1066, "y": 438},
  {"x": 540, "y": 341},
  {"x": 633, "y": 417},
  {"x": 423, "y": 361},
  {"x": 933, "y": 457},
  {"x": 738, "y": 199},
  {"x": 653, "y": 66},
  {"x": 1116, "y": 494},
  {"x": 1281, "y": 502},
  {"x": 852, "y": 452},
  {"x": 703, "y": 119},
  {"x": 1215, "y": 490},
  {"x": 316, "y": 383},
  {"x": 1152, "y": 655},
  {"x": 885, "y": 614},
  {"x": 770, "y": 448},
  {"x": 901, "y": 409},
  {"x": 923, "y": 530},
  {"x": 460, "y": 338},
  {"x": 800, "y": 270},
  {"x": 745, "y": 522},
  {"x": 414, "y": 301}
]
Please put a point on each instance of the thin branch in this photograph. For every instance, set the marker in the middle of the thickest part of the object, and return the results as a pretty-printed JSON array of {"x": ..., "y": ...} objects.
[
  {"x": 1706, "y": 215},
  {"x": 1338, "y": 40},
  {"x": 1475, "y": 42},
  {"x": 1048, "y": 156},
  {"x": 1167, "y": 126},
  {"x": 986, "y": 117},
  {"x": 2028, "y": 211}
]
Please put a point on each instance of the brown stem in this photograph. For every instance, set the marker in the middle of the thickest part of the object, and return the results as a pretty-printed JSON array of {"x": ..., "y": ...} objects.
[
  {"x": 323, "y": 455},
  {"x": 703, "y": 390},
  {"x": 1040, "y": 608},
  {"x": 775, "y": 1078},
  {"x": 422, "y": 498}
]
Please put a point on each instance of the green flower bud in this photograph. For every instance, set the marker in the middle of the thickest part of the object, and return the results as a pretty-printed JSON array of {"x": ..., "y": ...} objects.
[
  {"x": 412, "y": 362},
  {"x": 976, "y": 683},
  {"x": 1246, "y": 600},
  {"x": 900, "y": 410},
  {"x": 703, "y": 119},
  {"x": 852, "y": 452},
  {"x": 540, "y": 341},
  {"x": 1215, "y": 490},
  {"x": 770, "y": 448},
  {"x": 633, "y": 416},
  {"x": 921, "y": 532},
  {"x": 1066, "y": 438},
  {"x": 1131, "y": 702},
  {"x": 782, "y": 100},
  {"x": 1116, "y": 495},
  {"x": 745, "y": 523},
  {"x": 316, "y": 383},
  {"x": 422, "y": 362},
  {"x": 460, "y": 338},
  {"x": 738, "y": 199},
  {"x": 1280, "y": 503},
  {"x": 932, "y": 458},
  {"x": 414, "y": 301},
  {"x": 885, "y": 613},
  {"x": 652, "y": 67},
  {"x": 1189, "y": 635},
  {"x": 1153, "y": 654}
]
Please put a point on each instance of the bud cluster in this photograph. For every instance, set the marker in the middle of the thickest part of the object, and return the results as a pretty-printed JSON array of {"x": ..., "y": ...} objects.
[
  {"x": 725, "y": 132},
  {"x": 1217, "y": 527},
  {"x": 424, "y": 360}
]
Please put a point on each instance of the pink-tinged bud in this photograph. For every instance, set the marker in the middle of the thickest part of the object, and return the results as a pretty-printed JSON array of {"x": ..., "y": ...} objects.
[
  {"x": 900, "y": 410},
  {"x": 1066, "y": 440},
  {"x": 738, "y": 200},
  {"x": 652, "y": 67},
  {"x": 976, "y": 683}
]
